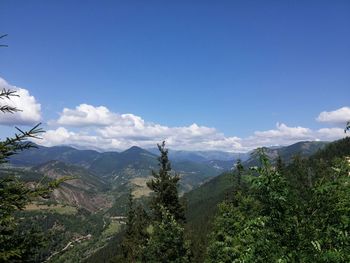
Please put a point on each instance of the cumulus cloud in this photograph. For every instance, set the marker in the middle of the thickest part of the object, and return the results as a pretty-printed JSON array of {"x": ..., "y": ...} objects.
[
  {"x": 61, "y": 136},
  {"x": 100, "y": 128},
  {"x": 283, "y": 131},
  {"x": 30, "y": 109},
  {"x": 286, "y": 135},
  {"x": 86, "y": 115},
  {"x": 282, "y": 135},
  {"x": 330, "y": 134},
  {"x": 339, "y": 116},
  {"x": 97, "y": 127}
]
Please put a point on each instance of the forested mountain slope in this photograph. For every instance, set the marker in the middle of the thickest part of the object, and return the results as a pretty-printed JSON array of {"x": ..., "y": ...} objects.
[
  {"x": 213, "y": 191},
  {"x": 202, "y": 202}
]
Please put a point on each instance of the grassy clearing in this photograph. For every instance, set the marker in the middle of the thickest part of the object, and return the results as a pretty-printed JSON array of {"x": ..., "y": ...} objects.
[{"x": 140, "y": 187}]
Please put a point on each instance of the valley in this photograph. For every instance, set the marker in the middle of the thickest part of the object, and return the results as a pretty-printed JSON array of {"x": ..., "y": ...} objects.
[{"x": 99, "y": 183}]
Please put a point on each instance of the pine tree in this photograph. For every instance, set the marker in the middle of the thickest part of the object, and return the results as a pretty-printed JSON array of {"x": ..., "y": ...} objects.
[
  {"x": 164, "y": 186},
  {"x": 18, "y": 244},
  {"x": 279, "y": 164},
  {"x": 136, "y": 234},
  {"x": 238, "y": 175},
  {"x": 166, "y": 242}
]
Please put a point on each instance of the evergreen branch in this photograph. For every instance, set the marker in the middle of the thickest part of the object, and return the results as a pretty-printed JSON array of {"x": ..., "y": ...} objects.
[
  {"x": 8, "y": 109},
  {"x": 19, "y": 142},
  {"x": 7, "y": 93},
  {"x": 347, "y": 127}
]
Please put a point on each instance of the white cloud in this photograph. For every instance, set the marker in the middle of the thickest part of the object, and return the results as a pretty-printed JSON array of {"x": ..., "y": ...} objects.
[
  {"x": 330, "y": 134},
  {"x": 339, "y": 116},
  {"x": 30, "y": 109},
  {"x": 98, "y": 127},
  {"x": 61, "y": 136},
  {"x": 86, "y": 115},
  {"x": 283, "y": 131},
  {"x": 285, "y": 135},
  {"x": 282, "y": 135}
]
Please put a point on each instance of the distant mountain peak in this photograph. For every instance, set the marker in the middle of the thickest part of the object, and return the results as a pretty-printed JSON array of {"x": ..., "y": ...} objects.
[{"x": 136, "y": 150}]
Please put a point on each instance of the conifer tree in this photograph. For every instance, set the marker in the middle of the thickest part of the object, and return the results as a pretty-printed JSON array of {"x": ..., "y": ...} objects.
[
  {"x": 18, "y": 244},
  {"x": 15, "y": 195},
  {"x": 166, "y": 242},
  {"x": 239, "y": 173},
  {"x": 136, "y": 234},
  {"x": 279, "y": 164},
  {"x": 164, "y": 186}
]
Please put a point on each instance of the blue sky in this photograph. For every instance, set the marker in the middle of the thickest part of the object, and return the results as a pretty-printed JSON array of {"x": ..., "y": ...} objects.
[{"x": 239, "y": 67}]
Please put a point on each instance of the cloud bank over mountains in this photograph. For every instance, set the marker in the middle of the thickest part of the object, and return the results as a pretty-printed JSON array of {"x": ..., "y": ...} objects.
[
  {"x": 97, "y": 127},
  {"x": 101, "y": 128}
]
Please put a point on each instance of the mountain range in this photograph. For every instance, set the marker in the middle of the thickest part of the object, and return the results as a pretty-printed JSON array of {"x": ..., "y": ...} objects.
[
  {"x": 117, "y": 170},
  {"x": 104, "y": 176}
]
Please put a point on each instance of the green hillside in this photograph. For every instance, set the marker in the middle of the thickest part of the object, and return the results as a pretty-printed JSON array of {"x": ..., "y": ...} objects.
[
  {"x": 202, "y": 202},
  {"x": 213, "y": 191},
  {"x": 111, "y": 163},
  {"x": 130, "y": 168}
]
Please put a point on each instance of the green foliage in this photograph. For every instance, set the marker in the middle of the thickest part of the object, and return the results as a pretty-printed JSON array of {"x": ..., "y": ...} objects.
[
  {"x": 338, "y": 148},
  {"x": 164, "y": 186},
  {"x": 239, "y": 173},
  {"x": 248, "y": 227},
  {"x": 16, "y": 243},
  {"x": 109, "y": 252},
  {"x": 230, "y": 220},
  {"x": 136, "y": 234},
  {"x": 14, "y": 196},
  {"x": 329, "y": 216},
  {"x": 203, "y": 205},
  {"x": 167, "y": 243},
  {"x": 161, "y": 237},
  {"x": 64, "y": 228},
  {"x": 298, "y": 213}
]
